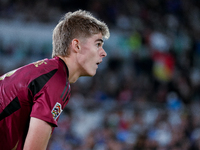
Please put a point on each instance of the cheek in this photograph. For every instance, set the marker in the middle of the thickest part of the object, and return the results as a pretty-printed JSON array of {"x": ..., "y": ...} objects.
[
  {"x": 88, "y": 57},
  {"x": 91, "y": 57},
  {"x": 85, "y": 61}
]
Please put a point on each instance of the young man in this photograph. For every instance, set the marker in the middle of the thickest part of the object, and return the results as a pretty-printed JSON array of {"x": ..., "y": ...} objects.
[{"x": 32, "y": 97}]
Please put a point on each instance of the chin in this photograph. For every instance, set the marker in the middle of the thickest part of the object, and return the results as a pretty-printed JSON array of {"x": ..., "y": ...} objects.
[
  {"x": 91, "y": 74},
  {"x": 88, "y": 74}
]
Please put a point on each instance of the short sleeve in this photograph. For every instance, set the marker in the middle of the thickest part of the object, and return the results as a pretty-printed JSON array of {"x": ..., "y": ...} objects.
[{"x": 46, "y": 108}]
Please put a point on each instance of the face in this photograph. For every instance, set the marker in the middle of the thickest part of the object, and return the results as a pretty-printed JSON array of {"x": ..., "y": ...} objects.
[{"x": 90, "y": 55}]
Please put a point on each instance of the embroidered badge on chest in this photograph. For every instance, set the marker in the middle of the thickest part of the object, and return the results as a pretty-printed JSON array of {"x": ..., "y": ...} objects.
[{"x": 56, "y": 111}]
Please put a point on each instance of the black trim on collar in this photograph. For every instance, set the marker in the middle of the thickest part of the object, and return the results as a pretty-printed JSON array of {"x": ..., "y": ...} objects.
[{"x": 65, "y": 66}]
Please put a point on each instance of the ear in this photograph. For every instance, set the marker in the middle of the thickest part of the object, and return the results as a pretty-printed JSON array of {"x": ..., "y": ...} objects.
[{"x": 76, "y": 45}]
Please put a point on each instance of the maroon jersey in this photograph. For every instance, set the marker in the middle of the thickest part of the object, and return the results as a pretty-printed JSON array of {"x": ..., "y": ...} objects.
[{"x": 39, "y": 90}]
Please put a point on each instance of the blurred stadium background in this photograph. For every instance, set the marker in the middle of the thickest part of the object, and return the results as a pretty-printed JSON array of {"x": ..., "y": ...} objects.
[{"x": 146, "y": 94}]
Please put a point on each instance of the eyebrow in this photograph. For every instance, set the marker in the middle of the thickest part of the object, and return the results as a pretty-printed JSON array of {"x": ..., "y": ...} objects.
[{"x": 99, "y": 40}]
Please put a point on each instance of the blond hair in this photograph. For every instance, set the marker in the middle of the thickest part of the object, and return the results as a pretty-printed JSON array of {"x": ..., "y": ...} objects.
[{"x": 76, "y": 24}]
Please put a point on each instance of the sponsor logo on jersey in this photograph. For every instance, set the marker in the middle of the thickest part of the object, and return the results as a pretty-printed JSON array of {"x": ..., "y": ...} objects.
[{"x": 56, "y": 111}]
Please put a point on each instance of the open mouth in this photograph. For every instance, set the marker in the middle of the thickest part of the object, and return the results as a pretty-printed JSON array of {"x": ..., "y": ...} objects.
[{"x": 98, "y": 62}]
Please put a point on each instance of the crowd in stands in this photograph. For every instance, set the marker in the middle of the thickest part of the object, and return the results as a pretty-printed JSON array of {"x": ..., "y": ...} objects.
[{"x": 146, "y": 93}]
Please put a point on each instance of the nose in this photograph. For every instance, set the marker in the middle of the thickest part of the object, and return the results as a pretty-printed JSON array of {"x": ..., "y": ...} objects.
[{"x": 103, "y": 53}]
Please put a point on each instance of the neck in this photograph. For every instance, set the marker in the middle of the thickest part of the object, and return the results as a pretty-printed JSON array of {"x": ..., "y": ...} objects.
[{"x": 73, "y": 71}]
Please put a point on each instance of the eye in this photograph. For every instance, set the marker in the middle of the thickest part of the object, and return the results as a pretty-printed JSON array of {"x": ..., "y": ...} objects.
[{"x": 98, "y": 44}]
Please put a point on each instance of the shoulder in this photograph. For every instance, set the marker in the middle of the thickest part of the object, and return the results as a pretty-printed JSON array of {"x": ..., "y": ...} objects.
[{"x": 51, "y": 73}]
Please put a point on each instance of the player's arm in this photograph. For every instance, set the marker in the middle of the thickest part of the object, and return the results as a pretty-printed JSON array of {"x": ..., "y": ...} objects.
[{"x": 38, "y": 135}]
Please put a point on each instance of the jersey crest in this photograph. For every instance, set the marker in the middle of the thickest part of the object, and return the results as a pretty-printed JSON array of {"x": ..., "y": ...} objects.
[{"x": 56, "y": 111}]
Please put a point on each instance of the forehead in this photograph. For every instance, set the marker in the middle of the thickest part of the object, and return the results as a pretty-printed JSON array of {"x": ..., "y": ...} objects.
[{"x": 95, "y": 38}]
